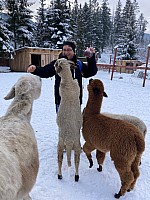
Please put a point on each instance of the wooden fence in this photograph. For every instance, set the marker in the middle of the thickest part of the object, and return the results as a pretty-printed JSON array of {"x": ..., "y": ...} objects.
[{"x": 112, "y": 67}]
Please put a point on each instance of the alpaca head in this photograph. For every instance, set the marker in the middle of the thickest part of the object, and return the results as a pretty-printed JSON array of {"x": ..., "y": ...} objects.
[
  {"x": 63, "y": 63},
  {"x": 96, "y": 88},
  {"x": 28, "y": 85}
]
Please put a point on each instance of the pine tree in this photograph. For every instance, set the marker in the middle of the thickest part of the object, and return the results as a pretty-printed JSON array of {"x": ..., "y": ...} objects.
[
  {"x": 83, "y": 33},
  {"x": 87, "y": 24},
  {"x": 127, "y": 46},
  {"x": 20, "y": 22},
  {"x": 41, "y": 26},
  {"x": 25, "y": 25},
  {"x": 80, "y": 38},
  {"x": 106, "y": 24},
  {"x": 1, "y": 6},
  {"x": 118, "y": 28},
  {"x": 141, "y": 28},
  {"x": 13, "y": 20},
  {"x": 95, "y": 28},
  {"x": 6, "y": 49},
  {"x": 74, "y": 20},
  {"x": 49, "y": 29},
  {"x": 98, "y": 29},
  {"x": 60, "y": 22}
]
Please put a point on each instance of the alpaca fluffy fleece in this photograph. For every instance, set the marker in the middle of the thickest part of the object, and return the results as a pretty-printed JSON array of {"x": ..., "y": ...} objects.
[
  {"x": 69, "y": 117},
  {"x": 18, "y": 146},
  {"x": 131, "y": 119},
  {"x": 128, "y": 118},
  {"x": 123, "y": 140}
]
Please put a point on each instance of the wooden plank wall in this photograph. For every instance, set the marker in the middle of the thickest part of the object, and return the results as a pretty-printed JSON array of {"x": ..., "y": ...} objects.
[{"x": 22, "y": 57}]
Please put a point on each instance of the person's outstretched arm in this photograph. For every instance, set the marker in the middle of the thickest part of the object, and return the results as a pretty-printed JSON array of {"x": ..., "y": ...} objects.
[{"x": 44, "y": 72}]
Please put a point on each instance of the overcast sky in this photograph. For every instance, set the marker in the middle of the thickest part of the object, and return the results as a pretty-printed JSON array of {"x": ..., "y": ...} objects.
[{"x": 143, "y": 5}]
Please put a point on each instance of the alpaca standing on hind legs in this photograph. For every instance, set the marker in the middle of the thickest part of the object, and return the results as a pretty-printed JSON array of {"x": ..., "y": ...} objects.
[
  {"x": 123, "y": 140},
  {"x": 69, "y": 117}
]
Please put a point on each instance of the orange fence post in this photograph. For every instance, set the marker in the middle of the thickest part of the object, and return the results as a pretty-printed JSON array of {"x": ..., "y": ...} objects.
[
  {"x": 115, "y": 48},
  {"x": 146, "y": 67}
]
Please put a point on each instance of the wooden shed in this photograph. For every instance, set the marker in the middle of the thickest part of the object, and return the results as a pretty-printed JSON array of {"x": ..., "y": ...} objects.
[
  {"x": 4, "y": 62},
  {"x": 32, "y": 55}
]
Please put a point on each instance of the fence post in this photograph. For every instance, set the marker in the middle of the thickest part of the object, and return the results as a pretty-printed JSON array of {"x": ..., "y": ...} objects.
[
  {"x": 110, "y": 63},
  {"x": 115, "y": 48},
  {"x": 146, "y": 65}
]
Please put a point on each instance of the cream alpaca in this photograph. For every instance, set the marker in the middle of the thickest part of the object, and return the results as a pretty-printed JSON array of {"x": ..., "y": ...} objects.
[
  {"x": 18, "y": 146},
  {"x": 131, "y": 119},
  {"x": 69, "y": 117},
  {"x": 122, "y": 139}
]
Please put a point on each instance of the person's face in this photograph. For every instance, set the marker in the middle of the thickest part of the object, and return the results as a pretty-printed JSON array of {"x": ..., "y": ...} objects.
[{"x": 67, "y": 51}]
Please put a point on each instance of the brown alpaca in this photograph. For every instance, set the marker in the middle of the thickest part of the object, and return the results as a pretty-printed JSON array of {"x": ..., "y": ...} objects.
[{"x": 122, "y": 139}]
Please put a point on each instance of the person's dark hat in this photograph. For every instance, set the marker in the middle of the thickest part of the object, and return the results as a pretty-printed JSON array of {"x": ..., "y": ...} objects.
[{"x": 69, "y": 43}]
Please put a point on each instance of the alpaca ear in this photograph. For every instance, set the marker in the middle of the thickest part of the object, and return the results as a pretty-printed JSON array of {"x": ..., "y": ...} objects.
[
  {"x": 90, "y": 80},
  {"x": 57, "y": 66},
  {"x": 72, "y": 64},
  {"x": 11, "y": 94},
  {"x": 105, "y": 95}
]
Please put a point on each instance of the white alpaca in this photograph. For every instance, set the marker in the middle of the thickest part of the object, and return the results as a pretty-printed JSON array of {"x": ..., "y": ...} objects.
[
  {"x": 69, "y": 117},
  {"x": 131, "y": 119},
  {"x": 18, "y": 147}
]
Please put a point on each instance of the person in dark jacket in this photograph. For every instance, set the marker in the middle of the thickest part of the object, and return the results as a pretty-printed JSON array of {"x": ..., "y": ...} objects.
[{"x": 82, "y": 70}]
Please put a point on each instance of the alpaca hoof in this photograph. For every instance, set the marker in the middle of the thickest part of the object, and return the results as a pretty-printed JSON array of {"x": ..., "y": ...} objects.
[
  {"x": 130, "y": 189},
  {"x": 59, "y": 176},
  {"x": 117, "y": 196},
  {"x": 76, "y": 178},
  {"x": 91, "y": 163},
  {"x": 99, "y": 169}
]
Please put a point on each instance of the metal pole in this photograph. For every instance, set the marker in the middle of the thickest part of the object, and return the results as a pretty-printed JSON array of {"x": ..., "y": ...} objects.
[{"x": 146, "y": 65}]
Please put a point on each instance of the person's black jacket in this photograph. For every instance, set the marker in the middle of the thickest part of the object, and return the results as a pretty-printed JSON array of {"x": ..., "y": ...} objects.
[{"x": 87, "y": 71}]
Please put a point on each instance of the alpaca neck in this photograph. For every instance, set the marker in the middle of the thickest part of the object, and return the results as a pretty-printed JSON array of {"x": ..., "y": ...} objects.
[
  {"x": 66, "y": 76},
  {"x": 21, "y": 108},
  {"x": 94, "y": 105}
]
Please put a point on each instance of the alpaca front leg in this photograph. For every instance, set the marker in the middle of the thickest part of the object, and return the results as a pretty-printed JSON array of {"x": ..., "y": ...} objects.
[
  {"x": 100, "y": 156},
  {"x": 60, "y": 159},
  {"x": 87, "y": 148}
]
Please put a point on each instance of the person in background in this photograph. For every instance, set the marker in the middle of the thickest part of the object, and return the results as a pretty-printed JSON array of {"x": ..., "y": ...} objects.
[{"x": 82, "y": 70}]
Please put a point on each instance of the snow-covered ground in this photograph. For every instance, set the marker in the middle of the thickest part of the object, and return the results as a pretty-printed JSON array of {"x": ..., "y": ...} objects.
[
  {"x": 125, "y": 95},
  {"x": 4, "y": 69}
]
